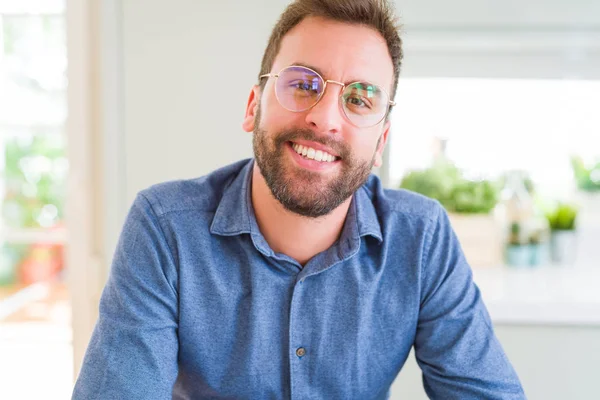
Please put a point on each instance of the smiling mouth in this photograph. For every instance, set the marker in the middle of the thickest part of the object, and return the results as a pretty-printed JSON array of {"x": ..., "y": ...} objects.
[{"x": 313, "y": 154}]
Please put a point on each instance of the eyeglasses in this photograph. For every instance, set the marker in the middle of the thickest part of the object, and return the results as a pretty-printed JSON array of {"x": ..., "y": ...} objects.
[{"x": 300, "y": 88}]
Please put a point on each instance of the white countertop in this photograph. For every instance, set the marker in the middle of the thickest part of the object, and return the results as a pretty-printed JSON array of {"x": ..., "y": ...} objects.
[{"x": 549, "y": 294}]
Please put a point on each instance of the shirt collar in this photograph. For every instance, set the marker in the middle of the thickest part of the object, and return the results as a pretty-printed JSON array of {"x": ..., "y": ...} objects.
[
  {"x": 235, "y": 214},
  {"x": 235, "y": 208}
]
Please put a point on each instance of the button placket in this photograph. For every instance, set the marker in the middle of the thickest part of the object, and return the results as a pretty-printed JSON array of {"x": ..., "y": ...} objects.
[{"x": 297, "y": 339}]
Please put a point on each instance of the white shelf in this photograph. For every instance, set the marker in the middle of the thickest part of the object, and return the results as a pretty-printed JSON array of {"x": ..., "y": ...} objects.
[
  {"x": 550, "y": 294},
  {"x": 26, "y": 236}
]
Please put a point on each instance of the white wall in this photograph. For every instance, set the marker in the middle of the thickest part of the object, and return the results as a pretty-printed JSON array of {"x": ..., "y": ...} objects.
[
  {"x": 511, "y": 38},
  {"x": 495, "y": 14},
  {"x": 187, "y": 68}
]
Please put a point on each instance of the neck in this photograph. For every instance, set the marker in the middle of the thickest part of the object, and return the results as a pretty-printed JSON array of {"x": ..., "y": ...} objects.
[{"x": 291, "y": 234}]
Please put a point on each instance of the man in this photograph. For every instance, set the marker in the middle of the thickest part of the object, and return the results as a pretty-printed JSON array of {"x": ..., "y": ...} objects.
[{"x": 295, "y": 274}]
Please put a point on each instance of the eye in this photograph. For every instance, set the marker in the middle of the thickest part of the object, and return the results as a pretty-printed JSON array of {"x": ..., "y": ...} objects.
[
  {"x": 304, "y": 85},
  {"x": 358, "y": 102}
]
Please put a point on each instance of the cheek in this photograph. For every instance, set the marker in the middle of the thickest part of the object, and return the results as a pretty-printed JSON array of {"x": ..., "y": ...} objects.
[
  {"x": 268, "y": 98},
  {"x": 365, "y": 143},
  {"x": 269, "y": 106},
  {"x": 276, "y": 118}
]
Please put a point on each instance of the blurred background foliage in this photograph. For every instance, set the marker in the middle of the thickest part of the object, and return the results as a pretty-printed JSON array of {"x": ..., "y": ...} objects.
[
  {"x": 35, "y": 181},
  {"x": 587, "y": 176},
  {"x": 33, "y": 162},
  {"x": 445, "y": 182}
]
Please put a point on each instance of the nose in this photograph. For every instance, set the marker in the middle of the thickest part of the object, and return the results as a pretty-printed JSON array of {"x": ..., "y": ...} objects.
[{"x": 325, "y": 117}]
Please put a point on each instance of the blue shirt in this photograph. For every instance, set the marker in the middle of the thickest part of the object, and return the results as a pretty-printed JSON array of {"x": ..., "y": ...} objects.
[{"x": 198, "y": 306}]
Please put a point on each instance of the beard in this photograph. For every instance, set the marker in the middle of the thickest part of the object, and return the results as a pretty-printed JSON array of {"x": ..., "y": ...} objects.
[{"x": 307, "y": 193}]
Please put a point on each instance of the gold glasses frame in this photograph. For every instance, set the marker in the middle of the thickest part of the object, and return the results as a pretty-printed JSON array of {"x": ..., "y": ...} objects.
[{"x": 325, "y": 82}]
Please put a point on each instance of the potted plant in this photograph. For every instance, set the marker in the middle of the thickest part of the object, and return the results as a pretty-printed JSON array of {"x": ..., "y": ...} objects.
[
  {"x": 469, "y": 204},
  {"x": 526, "y": 245},
  {"x": 517, "y": 252},
  {"x": 563, "y": 240},
  {"x": 538, "y": 247},
  {"x": 436, "y": 182}
]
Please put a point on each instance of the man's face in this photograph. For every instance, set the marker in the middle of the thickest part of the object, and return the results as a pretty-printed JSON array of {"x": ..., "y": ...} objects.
[{"x": 339, "y": 52}]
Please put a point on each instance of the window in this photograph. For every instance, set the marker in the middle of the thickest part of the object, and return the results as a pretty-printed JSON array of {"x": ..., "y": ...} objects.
[
  {"x": 495, "y": 125},
  {"x": 35, "y": 331},
  {"x": 33, "y": 161}
]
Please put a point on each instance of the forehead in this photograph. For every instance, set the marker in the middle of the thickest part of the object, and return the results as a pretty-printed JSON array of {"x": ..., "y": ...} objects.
[{"x": 339, "y": 51}]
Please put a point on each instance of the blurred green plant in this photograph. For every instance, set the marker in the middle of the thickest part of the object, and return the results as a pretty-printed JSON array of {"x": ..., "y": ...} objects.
[
  {"x": 562, "y": 217},
  {"x": 586, "y": 176},
  {"x": 436, "y": 182},
  {"x": 473, "y": 197},
  {"x": 514, "y": 238},
  {"x": 444, "y": 182},
  {"x": 35, "y": 181}
]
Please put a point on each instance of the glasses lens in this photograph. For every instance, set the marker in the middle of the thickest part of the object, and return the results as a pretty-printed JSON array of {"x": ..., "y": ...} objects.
[
  {"x": 365, "y": 104},
  {"x": 298, "y": 88}
]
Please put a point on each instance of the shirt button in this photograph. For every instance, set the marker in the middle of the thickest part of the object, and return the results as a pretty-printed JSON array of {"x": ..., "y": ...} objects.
[{"x": 300, "y": 352}]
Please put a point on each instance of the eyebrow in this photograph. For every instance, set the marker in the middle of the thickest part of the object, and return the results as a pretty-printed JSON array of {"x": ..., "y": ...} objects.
[{"x": 301, "y": 64}]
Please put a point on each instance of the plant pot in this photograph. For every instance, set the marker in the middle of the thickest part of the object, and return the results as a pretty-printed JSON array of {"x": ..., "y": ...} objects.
[
  {"x": 480, "y": 236},
  {"x": 563, "y": 247},
  {"x": 538, "y": 254},
  {"x": 517, "y": 255}
]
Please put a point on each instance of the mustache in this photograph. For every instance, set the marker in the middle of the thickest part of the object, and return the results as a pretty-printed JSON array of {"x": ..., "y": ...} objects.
[{"x": 306, "y": 134}]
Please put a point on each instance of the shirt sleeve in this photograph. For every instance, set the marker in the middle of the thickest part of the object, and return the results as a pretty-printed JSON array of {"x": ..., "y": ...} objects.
[
  {"x": 133, "y": 350},
  {"x": 455, "y": 345}
]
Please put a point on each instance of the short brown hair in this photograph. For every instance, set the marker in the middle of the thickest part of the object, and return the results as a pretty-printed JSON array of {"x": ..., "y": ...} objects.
[{"x": 376, "y": 14}]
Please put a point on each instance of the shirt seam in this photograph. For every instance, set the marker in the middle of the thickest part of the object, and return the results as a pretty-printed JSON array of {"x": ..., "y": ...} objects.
[
  {"x": 165, "y": 213},
  {"x": 426, "y": 249},
  {"x": 162, "y": 232},
  {"x": 413, "y": 216}
]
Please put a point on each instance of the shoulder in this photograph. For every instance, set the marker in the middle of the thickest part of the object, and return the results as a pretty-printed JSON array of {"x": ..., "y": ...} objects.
[
  {"x": 401, "y": 203},
  {"x": 201, "y": 194}
]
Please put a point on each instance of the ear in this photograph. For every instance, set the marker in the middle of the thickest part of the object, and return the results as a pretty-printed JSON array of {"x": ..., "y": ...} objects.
[
  {"x": 381, "y": 146},
  {"x": 251, "y": 109}
]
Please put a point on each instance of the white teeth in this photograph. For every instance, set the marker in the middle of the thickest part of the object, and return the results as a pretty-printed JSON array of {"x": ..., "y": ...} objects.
[{"x": 312, "y": 154}]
